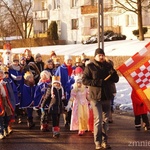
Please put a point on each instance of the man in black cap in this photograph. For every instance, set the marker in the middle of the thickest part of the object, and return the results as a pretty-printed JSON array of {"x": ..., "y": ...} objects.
[{"x": 98, "y": 76}]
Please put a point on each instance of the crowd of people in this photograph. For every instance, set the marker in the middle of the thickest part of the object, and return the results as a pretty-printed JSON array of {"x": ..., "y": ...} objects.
[
  {"x": 83, "y": 92},
  {"x": 27, "y": 84}
]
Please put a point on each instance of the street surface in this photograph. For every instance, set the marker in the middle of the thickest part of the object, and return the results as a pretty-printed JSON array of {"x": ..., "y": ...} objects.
[{"x": 122, "y": 136}]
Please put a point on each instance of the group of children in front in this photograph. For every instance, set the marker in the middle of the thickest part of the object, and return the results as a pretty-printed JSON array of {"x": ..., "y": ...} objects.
[{"x": 28, "y": 84}]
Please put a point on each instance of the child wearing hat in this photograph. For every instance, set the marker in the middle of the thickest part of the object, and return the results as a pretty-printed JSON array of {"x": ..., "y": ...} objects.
[
  {"x": 12, "y": 94},
  {"x": 55, "y": 94},
  {"x": 65, "y": 71},
  {"x": 39, "y": 95},
  {"x": 16, "y": 74},
  {"x": 79, "y": 105},
  {"x": 27, "y": 97}
]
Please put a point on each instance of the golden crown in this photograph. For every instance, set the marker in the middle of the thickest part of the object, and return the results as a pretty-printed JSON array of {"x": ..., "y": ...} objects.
[
  {"x": 16, "y": 57},
  {"x": 4, "y": 68},
  {"x": 55, "y": 78},
  {"x": 27, "y": 74}
]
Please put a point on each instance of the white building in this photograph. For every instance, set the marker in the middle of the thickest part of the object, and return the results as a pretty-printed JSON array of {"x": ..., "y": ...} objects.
[{"x": 77, "y": 19}]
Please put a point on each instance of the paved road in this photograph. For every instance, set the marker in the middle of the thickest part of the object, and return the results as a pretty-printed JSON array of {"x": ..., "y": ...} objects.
[{"x": 122, "y": 136}]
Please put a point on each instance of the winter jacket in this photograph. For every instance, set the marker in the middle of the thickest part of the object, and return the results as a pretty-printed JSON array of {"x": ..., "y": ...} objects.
[
  {"x": 53, "y": 98},
  {"x": 94, "y": 76},
  {"x": 40, "y": 65}
]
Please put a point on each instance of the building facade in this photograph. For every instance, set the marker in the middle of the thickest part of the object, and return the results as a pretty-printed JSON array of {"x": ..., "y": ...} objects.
[{"x": 77, "y": 19}]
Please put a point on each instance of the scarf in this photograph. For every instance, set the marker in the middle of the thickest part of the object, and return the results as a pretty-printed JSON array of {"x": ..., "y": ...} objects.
[{"x": 69, "y": 68}]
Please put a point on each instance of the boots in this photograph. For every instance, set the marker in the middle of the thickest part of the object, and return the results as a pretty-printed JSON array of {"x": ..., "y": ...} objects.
[
  {"x": 30, "y": 123},
  {"x": 56, "y": 132},
  {"x": 44, "y": 127}
]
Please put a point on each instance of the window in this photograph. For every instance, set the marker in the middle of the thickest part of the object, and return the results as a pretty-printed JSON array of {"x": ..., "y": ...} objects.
[
  {"x": 74, "y": 3},
  {"x": 75, "y": 24},
  {"x": 93, "y": 2},
  {"x": 93, "y": 22},
  {"x": 130, "y": 20},
  {"x": 56, "y": 4},
  {"x": 43, "y": 5}
]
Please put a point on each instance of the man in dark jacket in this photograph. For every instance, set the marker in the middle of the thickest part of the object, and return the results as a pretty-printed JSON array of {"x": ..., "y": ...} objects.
[{"x": 98, "y": 76}]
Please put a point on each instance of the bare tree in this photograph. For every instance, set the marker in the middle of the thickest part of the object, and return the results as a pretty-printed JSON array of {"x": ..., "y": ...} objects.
[
  {"x": 136, "y": 7},
  {"x": 21, "y": 15}
]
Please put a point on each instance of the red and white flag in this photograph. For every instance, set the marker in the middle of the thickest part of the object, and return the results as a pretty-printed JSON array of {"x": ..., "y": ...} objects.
[{"x": 136, "y": 70}]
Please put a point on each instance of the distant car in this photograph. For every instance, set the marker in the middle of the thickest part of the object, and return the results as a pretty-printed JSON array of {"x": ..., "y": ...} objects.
[
  {"x": 92, "y": 39},
  {"x": 108, "y": 36}
]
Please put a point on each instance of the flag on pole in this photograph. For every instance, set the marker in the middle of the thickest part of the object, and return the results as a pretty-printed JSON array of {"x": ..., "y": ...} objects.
[{"x": 136, "y": 70}]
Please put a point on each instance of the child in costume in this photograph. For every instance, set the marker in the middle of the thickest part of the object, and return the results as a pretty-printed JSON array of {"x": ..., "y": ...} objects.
[
  {"x": 6, "y": 108},
  {"x": 39, "y": 95},
  {"x": 65, "y": 71},
  {"x": 79, "y": 104},
  {"x": 55, "y": 94},
  {"x": 16, "y": 74},
  {"x": 27, "y": 97},
  {"x": 56, "y": 105},
  {"x": 12, "y": 93}
]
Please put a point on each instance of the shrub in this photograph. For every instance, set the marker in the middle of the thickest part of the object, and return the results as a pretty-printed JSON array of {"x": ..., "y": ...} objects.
[
  {"x": 136, "y": 32},
  {"x": 53, "y": 31}
]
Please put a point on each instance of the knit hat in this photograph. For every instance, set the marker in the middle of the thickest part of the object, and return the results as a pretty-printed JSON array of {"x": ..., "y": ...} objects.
[
  {"x": 99, "y": 51},
  {"x": 46, "y": 73},
  {"x": 78, "y": 70},
  {"x": 38, "y": 55},
  {"x": 67, "y": 57},
  {"x": 27, "y": 75},
  {"x": 15, "y": 57},
  {"x": 56, "y": 79},
  {"x": 78, "y": 79}
]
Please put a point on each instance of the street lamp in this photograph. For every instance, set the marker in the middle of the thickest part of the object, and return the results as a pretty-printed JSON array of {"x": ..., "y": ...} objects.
[{"x": 100, "y": 24}]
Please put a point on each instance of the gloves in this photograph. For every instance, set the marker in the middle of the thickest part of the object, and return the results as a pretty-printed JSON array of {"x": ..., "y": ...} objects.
[{"x": 68, "y": 107}]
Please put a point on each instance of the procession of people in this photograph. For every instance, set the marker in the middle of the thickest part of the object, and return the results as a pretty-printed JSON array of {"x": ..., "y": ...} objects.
[{"x": 81, "y": 92}]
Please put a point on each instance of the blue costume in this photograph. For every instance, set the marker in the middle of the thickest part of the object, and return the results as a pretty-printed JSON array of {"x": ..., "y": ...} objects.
[
  {"x": 17, "y": 77},
  {"x": 12, "y": 91},
  {"x": 40, "y": 92},
  {"x": 27, "y": 96},
  {"x": 66, "y": 80}
]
